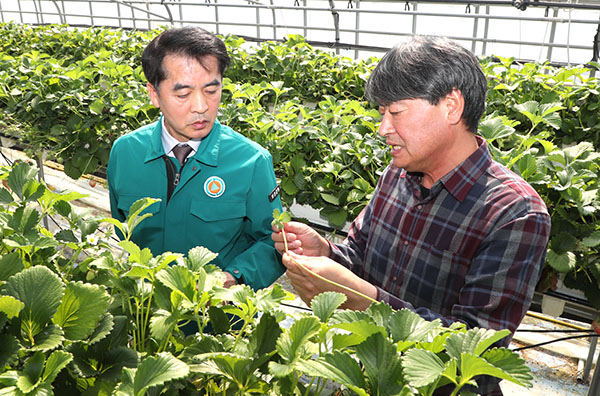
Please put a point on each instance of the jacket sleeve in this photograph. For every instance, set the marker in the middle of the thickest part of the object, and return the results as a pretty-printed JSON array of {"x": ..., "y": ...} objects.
[
  {"x": 259, "y": 265},
  {"x": 112, "y": 193}
]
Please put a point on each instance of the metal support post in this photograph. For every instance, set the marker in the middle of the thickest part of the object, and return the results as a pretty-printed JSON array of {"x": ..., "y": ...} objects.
[
  {"x": 357, "y": 26},
  {"x": 336, "y": 25},
  {"x": 590, "y": 358},
  {"x": 595, "y": 384}
]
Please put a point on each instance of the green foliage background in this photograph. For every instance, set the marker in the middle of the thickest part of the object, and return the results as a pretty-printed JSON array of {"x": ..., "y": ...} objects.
[{"x": 66, "y": 94}]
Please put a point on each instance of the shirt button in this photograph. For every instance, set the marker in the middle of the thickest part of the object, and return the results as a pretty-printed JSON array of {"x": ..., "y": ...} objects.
[
  {"x": 194, "y": 168},
  {"x": 235, "y": 271},
  {"x": 420, "y": 207},
  {"x": 394, "y": 278},
  {"x": 405, "y": 243}
]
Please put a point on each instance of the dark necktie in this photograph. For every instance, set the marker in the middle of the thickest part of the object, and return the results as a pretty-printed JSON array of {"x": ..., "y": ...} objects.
[{"x": 181, "y": 152}]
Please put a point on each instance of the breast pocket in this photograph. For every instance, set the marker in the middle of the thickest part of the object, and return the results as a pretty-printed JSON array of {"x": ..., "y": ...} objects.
[
  {"x": 216, "y": 224},
  {"x": 437, "y": 277}
]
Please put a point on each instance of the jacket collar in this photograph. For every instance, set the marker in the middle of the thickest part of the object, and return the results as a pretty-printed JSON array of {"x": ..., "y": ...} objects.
[{"x": 208, "y": 152}]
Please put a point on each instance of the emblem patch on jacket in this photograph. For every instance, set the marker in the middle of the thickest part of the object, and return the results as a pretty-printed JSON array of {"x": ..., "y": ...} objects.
[{"x": 214, "y": 186}]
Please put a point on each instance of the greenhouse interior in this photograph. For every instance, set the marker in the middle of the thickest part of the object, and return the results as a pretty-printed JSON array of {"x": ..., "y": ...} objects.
[{"x": 97, "y": 298}]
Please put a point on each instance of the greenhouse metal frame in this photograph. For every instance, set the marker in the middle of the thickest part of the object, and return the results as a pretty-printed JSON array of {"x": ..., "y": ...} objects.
[
  {"x": 558, "y": 32},
  {"x": 561, "y": 32}
]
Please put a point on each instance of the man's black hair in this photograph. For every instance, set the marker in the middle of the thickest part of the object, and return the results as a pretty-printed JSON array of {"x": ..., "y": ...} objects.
[
  {"x": 430, "y": 67},
  {"x": 189, "y": 41}
]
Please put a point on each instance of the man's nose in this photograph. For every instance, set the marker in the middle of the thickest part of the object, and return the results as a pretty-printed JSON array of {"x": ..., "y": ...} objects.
[
  {"x": 199, "y": 103},
  {"x": 386, "y": 127}
]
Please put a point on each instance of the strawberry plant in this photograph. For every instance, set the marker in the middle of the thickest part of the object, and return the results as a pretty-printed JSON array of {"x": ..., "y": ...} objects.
[
  {"x": 298, "y": 66},
  {"x": 79, "y": 315},
  {"x": 567, "y": 180}
]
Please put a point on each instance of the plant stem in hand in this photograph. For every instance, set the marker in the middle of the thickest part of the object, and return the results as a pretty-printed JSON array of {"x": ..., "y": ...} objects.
[{"x": 322, "y": 278}]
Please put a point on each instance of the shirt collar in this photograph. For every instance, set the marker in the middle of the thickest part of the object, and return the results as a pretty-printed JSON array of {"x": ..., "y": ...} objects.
[
  {"x": 461, "y": 179},
  {"x": 207, "y": 153},
  {"x": 168, "y": 141}
]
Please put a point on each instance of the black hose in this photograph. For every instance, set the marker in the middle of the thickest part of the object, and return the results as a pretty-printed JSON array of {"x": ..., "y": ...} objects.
[{"x": 557, "y": 340}]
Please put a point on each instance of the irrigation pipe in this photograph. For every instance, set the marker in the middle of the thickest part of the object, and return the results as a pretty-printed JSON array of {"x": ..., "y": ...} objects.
[{"x": 557, "y": 321}]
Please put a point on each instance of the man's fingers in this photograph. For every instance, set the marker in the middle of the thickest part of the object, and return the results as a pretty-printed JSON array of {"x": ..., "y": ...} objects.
[
  {"x": 285, "y": 259},
  {"x": 277, "y": 235},
  {"x": 289, "y": 260},
  {"x": 294, "y": 278}
]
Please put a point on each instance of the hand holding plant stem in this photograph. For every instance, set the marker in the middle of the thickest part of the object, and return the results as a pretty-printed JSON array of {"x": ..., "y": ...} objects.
[{"x": 279, "y": 219}]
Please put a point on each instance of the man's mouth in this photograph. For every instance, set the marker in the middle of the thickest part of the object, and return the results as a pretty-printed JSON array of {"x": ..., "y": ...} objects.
[{"x": 199, "y": 124}]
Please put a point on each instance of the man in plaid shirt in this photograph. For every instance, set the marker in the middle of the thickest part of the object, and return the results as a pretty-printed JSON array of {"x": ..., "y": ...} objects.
[{"x": 449, "y": 233}]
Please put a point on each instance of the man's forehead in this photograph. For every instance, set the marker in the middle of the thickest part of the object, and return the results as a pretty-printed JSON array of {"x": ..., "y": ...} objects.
[
  {"x": 209, "y": 62},
  {"x": 178, "y": 86},
  {"x": 397, "y": 103},
  {"x": 188, "y": 80}
]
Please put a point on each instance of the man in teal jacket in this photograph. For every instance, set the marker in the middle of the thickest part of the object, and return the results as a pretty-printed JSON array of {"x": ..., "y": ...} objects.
[{"x": 222, "y": 193}]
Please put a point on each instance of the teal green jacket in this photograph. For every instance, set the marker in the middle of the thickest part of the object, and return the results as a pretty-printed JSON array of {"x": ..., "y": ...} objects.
[{"x": 224, "y": 200}]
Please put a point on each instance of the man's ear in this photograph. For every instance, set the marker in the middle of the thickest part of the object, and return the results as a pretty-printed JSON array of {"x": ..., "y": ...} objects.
[
  {"x": 455, "y": 105},
  {"x": 153, "y": 93}
]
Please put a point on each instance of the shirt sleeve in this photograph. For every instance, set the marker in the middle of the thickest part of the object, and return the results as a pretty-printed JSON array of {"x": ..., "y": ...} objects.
[
  {"x": 259, "y": 265},
  {"x": 498, "y": 286},
  {"x": 501, "y": 279},
  {"x": 350, "y": 253}
]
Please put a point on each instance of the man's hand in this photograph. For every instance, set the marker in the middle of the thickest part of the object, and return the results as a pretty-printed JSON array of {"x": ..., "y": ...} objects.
[
  {"x": 229, "y": 280},
  {"x": 308, "y": 285},
  {"x": 301, "y": 239}
]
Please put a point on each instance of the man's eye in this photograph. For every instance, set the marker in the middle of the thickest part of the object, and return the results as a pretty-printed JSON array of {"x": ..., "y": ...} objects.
[
  {"x": 183, "y": 96},
  {"x": 394, "y": 112}
]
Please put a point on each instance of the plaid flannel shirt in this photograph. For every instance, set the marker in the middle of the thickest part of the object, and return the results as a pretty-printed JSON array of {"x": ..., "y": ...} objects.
[{"x": 470, "y": 251}]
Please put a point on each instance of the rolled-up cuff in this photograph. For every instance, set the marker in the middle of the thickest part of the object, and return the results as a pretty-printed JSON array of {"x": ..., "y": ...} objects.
[{"x": 390, "y": 299}]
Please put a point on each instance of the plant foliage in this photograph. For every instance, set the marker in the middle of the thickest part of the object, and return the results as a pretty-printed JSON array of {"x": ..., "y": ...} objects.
[
  {"x": 66, "y": 94},
  {"x": 81, "y": 315}
]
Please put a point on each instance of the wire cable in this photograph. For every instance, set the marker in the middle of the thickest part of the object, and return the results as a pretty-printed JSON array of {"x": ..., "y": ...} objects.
[
  {"x": 554, "y": 331},
  {"x": 8, "y": 160},
  {"x": 556, "y": 340},
  {"x": 296, "y": 307}
]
